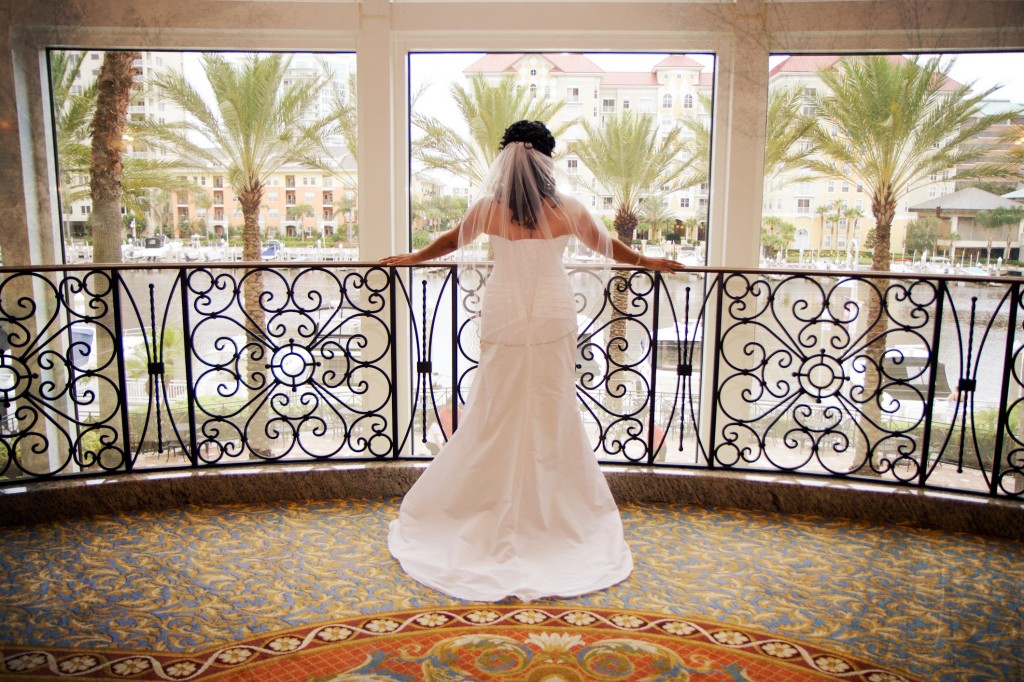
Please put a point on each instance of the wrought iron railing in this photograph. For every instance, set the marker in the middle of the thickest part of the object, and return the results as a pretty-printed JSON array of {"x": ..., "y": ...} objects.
[{"x": 898, "y": 379}]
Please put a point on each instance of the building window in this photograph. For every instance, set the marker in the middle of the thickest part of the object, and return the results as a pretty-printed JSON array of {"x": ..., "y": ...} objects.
[
  {"x": 86, "y": 210},
  {"x": 625, "y": 104},
  {"x": 830, "y": 186},
  {"x": 572, "y": 166},
  {"x": 271, "y": 196},
  {"x": 702, "y": 203},
  {"x": 845, "y": 186},
  {"x": 572, "y": 95},
  {"x": 666, "y": 101},
  {"x": 684, "y": 202},
  {"x": 931, "y": 191},
  {"x": 307, "y": 197},
  {"x": 687, "y": 101},
  {"x": 607, "y": 203},
  {"x": 328, "y": 182},
  {"x": 533, "y": 91},
  {"x": 803, "y": 205},
  {"x": 608, "y": 106}
]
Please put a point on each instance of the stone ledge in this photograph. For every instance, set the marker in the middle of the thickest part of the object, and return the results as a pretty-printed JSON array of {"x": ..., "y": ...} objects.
[{"x": 855, "y": 500}]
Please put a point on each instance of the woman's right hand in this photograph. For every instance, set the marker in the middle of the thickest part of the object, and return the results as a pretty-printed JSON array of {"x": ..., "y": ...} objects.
[{"x": 399, "y": 260}]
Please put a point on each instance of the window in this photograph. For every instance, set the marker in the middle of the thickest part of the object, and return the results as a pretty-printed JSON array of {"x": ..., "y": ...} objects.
[
  {"x": 704, "y": 187},
  {"x": 702, "y": 203},
  {"x": 803, "y": 205},
  {"x": 572, "y": 95},
  {"x": 608, "y": 106},
  {"x": 271, "y": 196},
  {"x": 625, "y": 104},
  {"x": 931, "y": 191},
  {"x": 859, "y": 205},
  {"x": 272, "y": 213},
  {"x": 666, "y": 101},
  {"x": 328, "y": 182},
  {"x": 607, "y": 203},
  {"x": 845, "y": 186},
  {"x": 572, "y": 166},
  {"x": 831, "y": 186},
  {"x": 684, "y": 202},
  {"x": 808, "y": 110},
  {"x": 86, "y": 210},
  {"x": 827, "y": 241},
  {"x": 533, "y": 91},
  {"x": 687, "y": 101},
  {"x": 666, "y": 121}
]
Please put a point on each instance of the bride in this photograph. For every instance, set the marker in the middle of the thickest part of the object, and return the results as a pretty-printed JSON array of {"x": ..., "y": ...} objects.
[{"x": 515, "y": 503}]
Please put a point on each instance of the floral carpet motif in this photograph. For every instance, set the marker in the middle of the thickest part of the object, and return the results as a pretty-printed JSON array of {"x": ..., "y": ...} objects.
[
  {"x": 512, "y": 643},
  {"x": 939, "y": 606}
]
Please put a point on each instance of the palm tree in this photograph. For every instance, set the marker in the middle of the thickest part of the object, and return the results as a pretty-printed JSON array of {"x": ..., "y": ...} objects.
[
  {"x": 630, "y": 160},
  {"x": 258, "y": 126},
  {"x": 851, "y": 215},
  {"x": 776, "y": 235},
  {"x": 786, "y": 131},
  {"x": 487, "y": 110},
  {"x": 999, "y": 218},
  {"x": 897, "y": 122},
  {"x": 656, "y": 213},
  {"x": 822, "y": 210},
  {"x": 73, "y": 116},
  {"x": 300, "y": 212},
  {"x": 627, "y": 159}
]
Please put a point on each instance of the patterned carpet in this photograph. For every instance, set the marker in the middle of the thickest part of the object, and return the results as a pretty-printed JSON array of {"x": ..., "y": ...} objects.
[{"x": 181, "y": 584}]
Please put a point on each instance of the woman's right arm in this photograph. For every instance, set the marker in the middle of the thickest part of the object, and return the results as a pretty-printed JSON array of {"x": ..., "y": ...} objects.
[{"x": 442, "y": 246}]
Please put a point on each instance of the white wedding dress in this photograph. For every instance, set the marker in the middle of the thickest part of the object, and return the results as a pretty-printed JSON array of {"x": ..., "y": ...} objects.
[{"x": 515, "y": 504}]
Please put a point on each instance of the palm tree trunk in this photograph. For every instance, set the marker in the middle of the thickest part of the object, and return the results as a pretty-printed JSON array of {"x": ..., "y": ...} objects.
[
  {"x": 625, "y": 223},
  {"x": 256, "y": 359},
  {"x": 883, "y": 205},
  {"x": 114, "y": 91}
]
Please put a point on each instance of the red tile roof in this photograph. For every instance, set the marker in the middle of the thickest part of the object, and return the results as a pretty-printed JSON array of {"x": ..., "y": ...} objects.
[{"x": 675, "y": 61}]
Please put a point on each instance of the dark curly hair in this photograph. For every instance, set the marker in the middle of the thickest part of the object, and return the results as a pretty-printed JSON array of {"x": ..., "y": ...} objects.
[
  {"x": 534, "y": 132},
  {"x": 526, "y": 209}
]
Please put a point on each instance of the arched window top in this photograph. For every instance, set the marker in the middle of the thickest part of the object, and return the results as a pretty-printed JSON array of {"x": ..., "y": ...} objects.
[
  {"x": 666, "y": 101},
  {"x": 688, "y": 101}
]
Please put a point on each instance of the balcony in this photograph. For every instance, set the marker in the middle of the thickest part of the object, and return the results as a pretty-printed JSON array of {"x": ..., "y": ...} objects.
[
  {"x": 774, "y": 372},
  {"x": 136, "y": 390}
]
